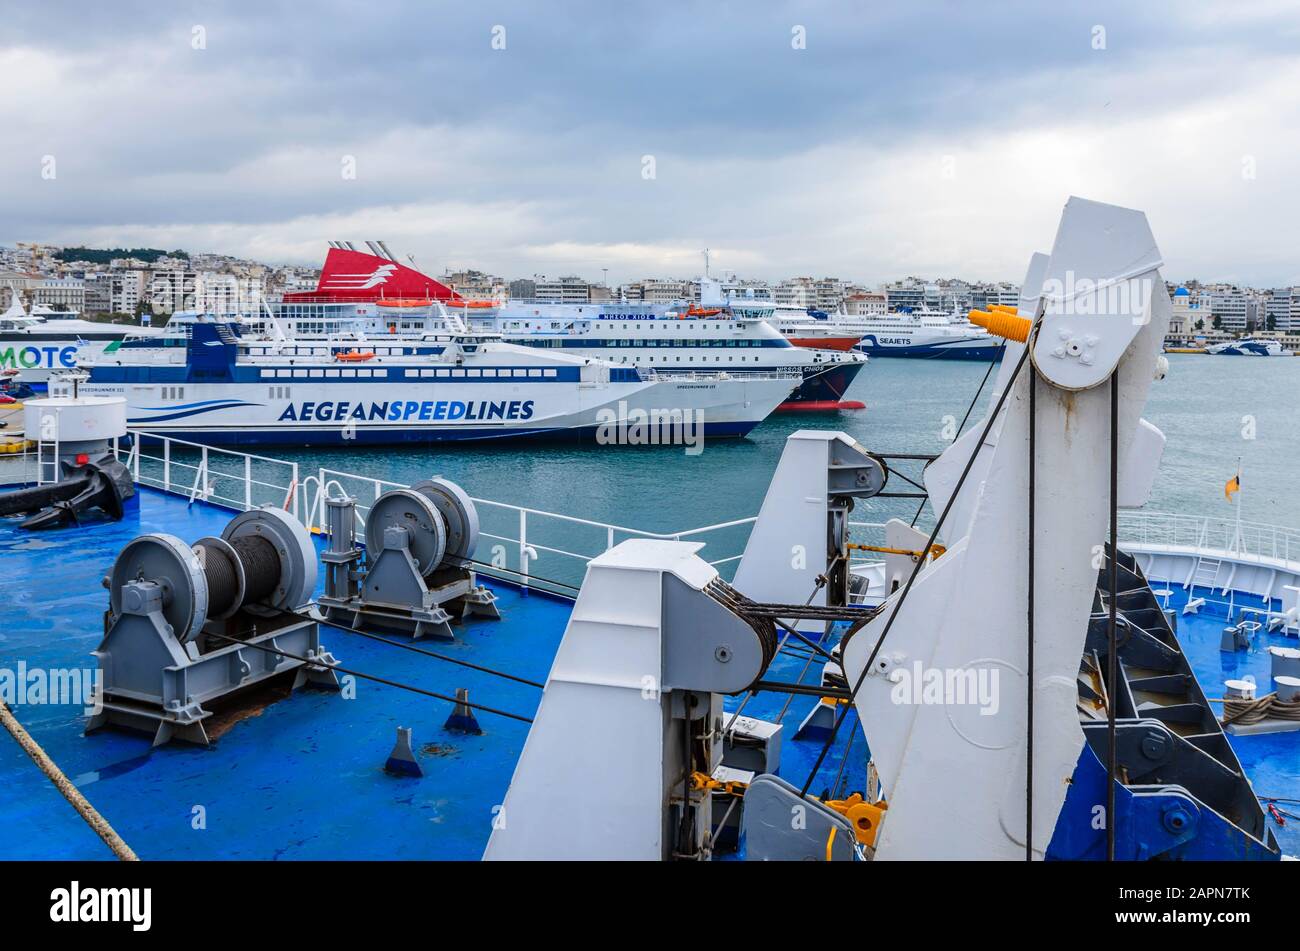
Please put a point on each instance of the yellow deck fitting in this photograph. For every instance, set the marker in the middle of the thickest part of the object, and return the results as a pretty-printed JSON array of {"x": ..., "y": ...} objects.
[
  {"x": 1001, "y": 322},
  {"x": 935, "y": 550},
  {"x": 864, "y": 816},
  {"x": 701, "y": 781}
]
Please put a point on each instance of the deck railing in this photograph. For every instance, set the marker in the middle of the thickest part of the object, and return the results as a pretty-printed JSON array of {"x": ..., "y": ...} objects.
[
  {"x": 1210, "y": 534},
  {"x": 527, "y": 543},
  {"x": 534, "y": 545},
  {"x": 226, "y": 477}
]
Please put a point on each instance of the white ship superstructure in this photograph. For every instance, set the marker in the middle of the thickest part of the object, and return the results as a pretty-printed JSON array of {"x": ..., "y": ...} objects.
[
  {"x": 39, "y": 343},
  {"x": 215, "y": 387}
]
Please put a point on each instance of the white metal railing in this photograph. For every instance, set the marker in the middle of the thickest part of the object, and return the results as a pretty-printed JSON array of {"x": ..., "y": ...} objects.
[
  {"x": 1210, "y": 534},
  {"x": 1201, "y": 534},
  {"x": 226, "y": 477},
  {"x": 527, "y": 536},
  {"x": 522, "y": 535}
]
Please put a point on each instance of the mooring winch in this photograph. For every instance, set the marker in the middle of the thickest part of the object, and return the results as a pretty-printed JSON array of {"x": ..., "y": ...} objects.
[
  {"x": 188, "y": 626},
  {"x": 414, "y": 576}
]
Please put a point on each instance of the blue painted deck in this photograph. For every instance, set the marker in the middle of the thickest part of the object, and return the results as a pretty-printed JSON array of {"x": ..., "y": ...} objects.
[
  {"x": 303, "y": 779},
  {"x": 1272, "y": 761}
]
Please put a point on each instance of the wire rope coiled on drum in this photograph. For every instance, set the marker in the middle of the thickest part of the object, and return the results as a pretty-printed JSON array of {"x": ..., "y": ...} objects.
[
  {"x": 264, "y": 557},
  {"x": 245, "y": 570},
  {"x": 764, "y": 627},
  {"x": 440, "y": 521}
]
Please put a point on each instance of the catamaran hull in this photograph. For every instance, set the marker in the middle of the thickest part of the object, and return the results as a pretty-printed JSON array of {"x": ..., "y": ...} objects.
[
  {"x": 1248, "y": 350},
  {"x": 350, "y": 414}
]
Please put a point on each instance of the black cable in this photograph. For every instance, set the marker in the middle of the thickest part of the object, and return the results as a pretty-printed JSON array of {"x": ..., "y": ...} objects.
[
  {"x": 916, "y": 569},
  {"x": 522, "y": 574},
  {"x": 808, "y": 642},
  {"x": 848, "y": 747},
  {"x": 818, "y": 583},
  {"x": 374, "y": 677},
  {"x": 1112, "y": 662},
  {"x": 1029, "y": 620},
  {"x": 437, "y": 656},
  {"x": 994, "y": 361}
]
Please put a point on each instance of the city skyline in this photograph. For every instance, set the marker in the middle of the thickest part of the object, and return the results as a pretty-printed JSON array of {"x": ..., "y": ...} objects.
[{"x": 790, "y": 139}]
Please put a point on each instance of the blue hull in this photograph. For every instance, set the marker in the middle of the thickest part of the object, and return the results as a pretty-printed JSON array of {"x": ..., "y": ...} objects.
[
  {"x": 828, "y": 385},
  {"x": 933, "y": 352}
]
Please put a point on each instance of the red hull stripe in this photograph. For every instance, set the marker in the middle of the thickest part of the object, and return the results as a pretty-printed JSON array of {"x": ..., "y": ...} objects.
[{"x": 820, "y": 406}]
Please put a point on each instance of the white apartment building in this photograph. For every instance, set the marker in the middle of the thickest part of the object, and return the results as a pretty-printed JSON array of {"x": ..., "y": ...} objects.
[
  {"x": 1282, "y": 309},
  {"x": 797, "y": 292},
  {"x": 61, "y": 293},
  {"x": 114, "y": 292},
  {"x": 564, "y": 290},
  {"x": 226, "y": 293},
  {"x": 475, "y": 285},
  {"x": 171, "y": 290},
  {"x": 662, "y": 291},
  {"x": 907, "y": 294},
  {"x": 866, "y": 304},
  {"x": 1239, "y": 308}
]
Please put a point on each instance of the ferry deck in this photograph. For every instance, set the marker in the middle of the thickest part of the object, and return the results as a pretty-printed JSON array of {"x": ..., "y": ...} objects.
[{"x": 303, "y": 777}]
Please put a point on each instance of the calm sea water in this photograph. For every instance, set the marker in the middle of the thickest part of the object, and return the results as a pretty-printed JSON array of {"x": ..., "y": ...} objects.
[{"x": 1202, "y": 407}]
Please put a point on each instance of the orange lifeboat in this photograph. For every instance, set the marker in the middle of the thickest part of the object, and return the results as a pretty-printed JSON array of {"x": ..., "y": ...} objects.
[
  {"x": 471, "y": 304},
  {"x": 354, "y": 356},
  {"x": 694, "y": 311},
  {"x": 403, "y": 303}
]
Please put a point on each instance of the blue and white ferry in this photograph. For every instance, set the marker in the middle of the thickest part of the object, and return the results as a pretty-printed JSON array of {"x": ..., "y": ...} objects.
[
  {"x": 216, "y": 387},
  {"x": 1249, "y": 347},
  {"x": 376, "y": 296},
  {"x": 45, "y": 341}
]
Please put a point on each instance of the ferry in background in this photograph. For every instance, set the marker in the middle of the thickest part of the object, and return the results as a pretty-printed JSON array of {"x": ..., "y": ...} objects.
[
  {"x": 802, "y": 326},
  {"x": 708, "y": 341},
  {"x": 923, "y": 334},
  {"x": 215, "y": 387},
  {"x": 34, "y": 345},
  {"x": 1249, "y": 347},
  {"x": 374, "y": 295}
]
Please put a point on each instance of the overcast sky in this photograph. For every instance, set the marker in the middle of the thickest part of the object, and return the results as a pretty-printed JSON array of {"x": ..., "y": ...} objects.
[{"x": 934, "y": 139}]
